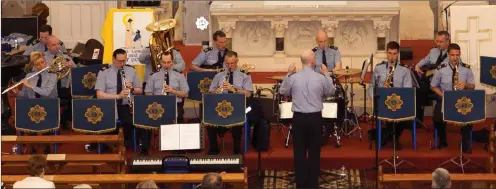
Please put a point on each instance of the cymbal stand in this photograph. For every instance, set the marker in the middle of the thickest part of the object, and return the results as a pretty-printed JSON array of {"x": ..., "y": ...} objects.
[
  {"x": 353, "y": 122},
  {"x": 459, "y": 161},
  {"x": 395, "y": 158},
  {"x": 365, "y": 117}
]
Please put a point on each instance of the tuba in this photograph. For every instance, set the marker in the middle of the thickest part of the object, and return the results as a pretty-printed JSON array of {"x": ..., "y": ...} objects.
[{"x": 161, "y": 40}]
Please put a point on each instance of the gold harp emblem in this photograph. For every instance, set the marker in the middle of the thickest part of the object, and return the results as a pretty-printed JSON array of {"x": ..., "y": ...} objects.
[
  {"x": 493, "y": 71},
  {"x": 204, "y": 85},
  {"x": 464, "y": 105},
  {"x": 155, "y": 111},
  {"x": 94, "y": 114},
  {"x": 224, "y": 109},
  {"x": 393, "y": 102},
  {"x": 37, "y": 113},
  {"x": 89, "y": 80}
]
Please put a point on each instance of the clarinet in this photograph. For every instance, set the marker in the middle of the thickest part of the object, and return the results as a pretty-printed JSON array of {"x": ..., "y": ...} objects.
[
  {"x": 165, "y": 82},
  {"x": 124, "y": 83}
]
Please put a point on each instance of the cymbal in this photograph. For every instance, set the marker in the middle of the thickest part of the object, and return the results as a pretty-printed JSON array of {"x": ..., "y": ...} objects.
[
  {"x": 347, "y": 71},
  {"x": 277, "y": 77},
  {"x": 351, "y": 80}
]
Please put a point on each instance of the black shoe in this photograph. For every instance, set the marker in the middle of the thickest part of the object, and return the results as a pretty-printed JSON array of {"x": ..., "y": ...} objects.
[{"x": 213, "y": 153}]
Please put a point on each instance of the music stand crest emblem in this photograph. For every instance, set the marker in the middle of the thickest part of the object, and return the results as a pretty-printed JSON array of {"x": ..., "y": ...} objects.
[
  {"x": 94, "y": 114},
  {"x": 37, "y": 113},
  {"x": 493, "y": 71},
  {"x": 89, "y": 80},
  {"x": 204, "y": 84},
  {"x": 464, "y": 105},
  {"x": 393, "y": 102},
  {"x": 155, "y": 111},
  {"x": 224, "y": 109}
]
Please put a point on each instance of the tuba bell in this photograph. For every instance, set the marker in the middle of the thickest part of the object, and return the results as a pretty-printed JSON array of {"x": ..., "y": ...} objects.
[{"x": 161, "y": 40}]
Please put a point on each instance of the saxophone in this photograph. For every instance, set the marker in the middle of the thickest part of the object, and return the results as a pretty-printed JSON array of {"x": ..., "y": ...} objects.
[
  {"x": 455, "y": 79},
  {"x": 388, "y": 83}
]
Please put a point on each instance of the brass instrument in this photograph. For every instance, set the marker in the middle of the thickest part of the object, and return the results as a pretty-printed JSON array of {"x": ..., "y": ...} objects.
[
  {"x": 455, "y": 79},
  {"x": 226, "y": 79},
  {"x": 161, "y": 40},
  {"x": 124, "y": 81},
  {"x": 56, "y": 66},
  {"x": 388, "y": 83}
]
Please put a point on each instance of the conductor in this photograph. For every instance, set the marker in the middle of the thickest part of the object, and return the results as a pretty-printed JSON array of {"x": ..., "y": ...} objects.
[{"x": 308, "y": 89}]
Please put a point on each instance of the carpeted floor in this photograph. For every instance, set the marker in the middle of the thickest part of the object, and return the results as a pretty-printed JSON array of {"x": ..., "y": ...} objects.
[{"x": 331, "y": 179}]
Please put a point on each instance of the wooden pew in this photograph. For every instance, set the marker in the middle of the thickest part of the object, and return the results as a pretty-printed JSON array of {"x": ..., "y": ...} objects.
[
  {"x": 238, "y": 180},
  {"x": 65, "y": 139},
  {"x": 59, "y": 161}
]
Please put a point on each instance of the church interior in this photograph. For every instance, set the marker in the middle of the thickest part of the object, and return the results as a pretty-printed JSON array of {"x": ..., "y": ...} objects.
[{"x": 269, "y": 36}]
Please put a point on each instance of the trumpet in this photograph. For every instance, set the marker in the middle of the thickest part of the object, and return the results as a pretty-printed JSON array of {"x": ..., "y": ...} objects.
[
  {"x": 226, "y": 79},
  {"x": 124, "y": 81}
]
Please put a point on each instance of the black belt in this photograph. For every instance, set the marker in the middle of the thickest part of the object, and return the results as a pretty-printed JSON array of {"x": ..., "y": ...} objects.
[{"x": 301, "y": 113}]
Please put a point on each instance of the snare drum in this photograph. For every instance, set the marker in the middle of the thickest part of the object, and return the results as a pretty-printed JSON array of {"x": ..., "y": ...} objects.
[{"x": 330, "y": 110}]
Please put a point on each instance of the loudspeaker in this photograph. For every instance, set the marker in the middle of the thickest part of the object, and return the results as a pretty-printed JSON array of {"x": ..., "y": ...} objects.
[{"x": 406, "y": 53}]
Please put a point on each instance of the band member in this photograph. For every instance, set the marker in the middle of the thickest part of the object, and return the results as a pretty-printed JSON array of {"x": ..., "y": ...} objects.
[
  {"x": 307, "y": 89},
  {"x": 63, "y": 85},
  {"x": 168, "y": 81},
  {"x": 436, "y": 57},
  {"x": 443, "y": 80},
  {"x": 330, "y": 57},
  {"x": 40, "y": 45},
  {"x": 178, "y": 65},
  {"x": 44, "y": 85},
  {"x": 211, "y": 58},
  {"x": 239, "y": 82},
  {"x": 119, "y": 81},
  {"x": 391, "y": 74},
  {"x": 326, "y": 54}
]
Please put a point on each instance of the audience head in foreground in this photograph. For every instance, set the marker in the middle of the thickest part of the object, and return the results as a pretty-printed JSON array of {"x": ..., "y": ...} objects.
[
  {"x": 147, "y": 185},
  {"x": 36, "y": 167},
  {"x": 82, "y": 186},
  {"x": 211, "y": 181},
  {"x": 441, "y": 179}
]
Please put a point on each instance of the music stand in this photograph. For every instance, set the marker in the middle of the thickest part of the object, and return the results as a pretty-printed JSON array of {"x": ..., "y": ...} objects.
[{"x": 365, "y": 115}]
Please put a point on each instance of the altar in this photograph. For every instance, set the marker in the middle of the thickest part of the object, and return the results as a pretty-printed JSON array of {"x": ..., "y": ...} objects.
[{"x": 272, "y": 34}]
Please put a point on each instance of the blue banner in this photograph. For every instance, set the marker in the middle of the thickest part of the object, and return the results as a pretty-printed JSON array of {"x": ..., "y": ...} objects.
[
  {"x": 226, "y": 110},
  {"x": 464, "y": 107},
  {"x": 152, "y": 111},
  {"x": 488, "y": 71},
  {"x": 94, "y": 115},
  {"x": 83, "y": 81},
  {"x": 396, "y": 104},
  {"x": 37, "y": 115},
  {"x": 199, "y": 83}
]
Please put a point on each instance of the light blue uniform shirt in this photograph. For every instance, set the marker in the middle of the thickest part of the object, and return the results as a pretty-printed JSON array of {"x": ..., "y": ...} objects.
[
  {"x": 240, "y": 81},
  {"x": 49, "y": 57},
  {"x": 431, "y": 58},
  {"x": 156, "y": 81},
  {"x": 38, "y": 46},
  {"x": 209, "y": 57},
  {"x": 107, "y": 80},
  {"x": 144, "y": 58},
  {"x": 443, "y": 77},
  {"x": 402, "y": 77},
  {"x": 47, "y": 90},
  {"x": 308, "y": 90},
  {"x": 332, "y": 56}
]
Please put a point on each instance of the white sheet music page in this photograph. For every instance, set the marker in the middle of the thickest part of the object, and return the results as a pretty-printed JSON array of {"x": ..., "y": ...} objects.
[
  {"x": 190, "y": 136},
  {"x": 169, "y": 137}
]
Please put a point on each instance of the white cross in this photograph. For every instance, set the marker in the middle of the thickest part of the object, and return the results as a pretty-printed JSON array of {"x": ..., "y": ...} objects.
[{"x": 472, "y": 36}]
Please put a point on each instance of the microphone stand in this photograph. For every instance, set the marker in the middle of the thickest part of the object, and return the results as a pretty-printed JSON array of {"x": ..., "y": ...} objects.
[
  {"x": 374, "y": 124},
  {"x": 446, "y": 12}
]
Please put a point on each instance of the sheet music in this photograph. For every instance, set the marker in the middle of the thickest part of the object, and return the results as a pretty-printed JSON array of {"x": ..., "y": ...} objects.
[
  {"x": 169, "y": 137},
  {"x": 189, "y": 136}
]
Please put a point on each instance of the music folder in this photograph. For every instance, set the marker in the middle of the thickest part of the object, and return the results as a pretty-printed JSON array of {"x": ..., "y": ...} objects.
[{"x": 181, "y": 137}]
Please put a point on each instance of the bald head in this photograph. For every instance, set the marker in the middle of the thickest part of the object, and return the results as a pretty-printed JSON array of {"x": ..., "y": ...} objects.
[
  {"x": 211, "y": 181},
  {"x": 307, "y": 58},
  {"x": 321, "y": 38},
  {"x": 53, "y": 44}
]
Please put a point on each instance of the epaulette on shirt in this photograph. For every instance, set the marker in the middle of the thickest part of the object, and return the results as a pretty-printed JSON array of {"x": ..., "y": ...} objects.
[
  {"x": 441, "y": 66},
  {"x": 404, "y": 65},
  {"x": 176, "y": 49},
  {"x": 208, "y": 49},
  {"x": 35, "y": 42},
  {"x": 465, "y": 65},
  {"x": 129, "y": 66},
  {"x": 333, "y": 47},
  {"x": 244, "y": 71},
  {"x": 383, "y": 62},
  {"x": 104, "y": 67},
  {"x": 315, "y": 49}
]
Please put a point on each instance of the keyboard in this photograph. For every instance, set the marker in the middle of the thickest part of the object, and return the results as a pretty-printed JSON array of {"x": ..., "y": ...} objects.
[{"x": 201, "y": 164}]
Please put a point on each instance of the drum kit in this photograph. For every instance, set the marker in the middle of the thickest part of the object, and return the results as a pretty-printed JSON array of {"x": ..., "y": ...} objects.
[{"x": 335, "y": 108}]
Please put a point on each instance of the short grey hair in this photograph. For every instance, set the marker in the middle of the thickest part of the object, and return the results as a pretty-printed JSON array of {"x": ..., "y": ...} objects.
[
  {"x": 211, "y": 181},
  {"x": 441, "y": 179},
  {"x": 81, "y": 186},
  {"x": 147, "y": 184},
  {"x": 306, "y": 56}
]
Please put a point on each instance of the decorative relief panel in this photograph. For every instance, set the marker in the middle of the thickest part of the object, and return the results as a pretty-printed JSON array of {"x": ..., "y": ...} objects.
[
  {"x": 253, "y": 38},
  {"x": 355, "y": 37},
  {"x": 300, "y": 36}
]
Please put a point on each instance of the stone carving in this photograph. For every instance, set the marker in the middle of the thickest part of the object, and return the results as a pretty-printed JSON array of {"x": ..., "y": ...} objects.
[
  {"x": 227, "y": 27},
  {"x": 302, "y": 34},
  {"x": 279, "y": 28},
  {"x": 381, "y": 27},
  {"x": 353, "y": 34},
  {"x": 330, "y": 27},
  {"x": 256, "y": 34}
]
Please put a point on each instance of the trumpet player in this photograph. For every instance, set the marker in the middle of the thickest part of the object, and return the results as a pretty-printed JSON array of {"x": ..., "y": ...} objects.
[
  {"x": 388, "y": 74},
  {"x": 168, "y": 82},
  {"x": 443, "y": 80},
  {"x": 119, "y": 81},
  {"x": 231, "y": 80},
  {"x": 63, "y": 85}
]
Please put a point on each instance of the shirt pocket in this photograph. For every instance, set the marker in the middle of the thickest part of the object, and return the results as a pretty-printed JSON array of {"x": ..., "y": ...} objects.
[
  {"x": 158, "y": 84},
  {"x": 111, "y": 85},
  {"x": 446, "y": 78}
]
